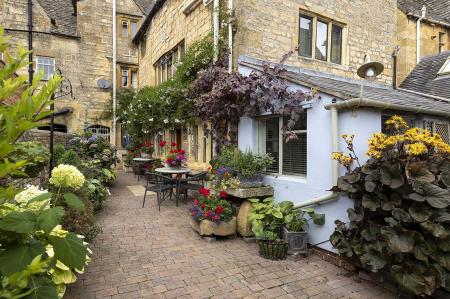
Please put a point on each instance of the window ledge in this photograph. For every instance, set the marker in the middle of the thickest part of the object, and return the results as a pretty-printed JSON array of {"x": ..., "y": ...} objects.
[
  {"x": 287, "y": 178},
  {"x": 323, "y": 63}
]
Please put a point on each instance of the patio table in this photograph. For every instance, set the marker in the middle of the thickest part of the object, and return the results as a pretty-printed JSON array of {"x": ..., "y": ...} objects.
[{"x": 178, "y": 172}]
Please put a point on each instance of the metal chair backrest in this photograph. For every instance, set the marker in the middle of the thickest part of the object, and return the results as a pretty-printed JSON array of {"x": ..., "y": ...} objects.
[
  {"x": 156, "y": 178},
  {"x": 199, "y": 177}
]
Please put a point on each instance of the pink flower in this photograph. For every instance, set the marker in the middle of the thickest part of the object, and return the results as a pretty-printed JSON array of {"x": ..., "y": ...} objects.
[
  {"x": 216, "y": 217},
  {"x": 196, "y": 202}
]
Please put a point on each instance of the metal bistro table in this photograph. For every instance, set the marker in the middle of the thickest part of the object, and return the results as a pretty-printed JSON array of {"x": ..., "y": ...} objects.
[
  {"x": 139, "y": 163},
  {"x": 178, "y": 172}
]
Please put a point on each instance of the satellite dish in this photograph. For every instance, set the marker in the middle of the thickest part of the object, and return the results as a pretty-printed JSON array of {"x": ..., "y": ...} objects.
[{"x": 103, "y": 84}]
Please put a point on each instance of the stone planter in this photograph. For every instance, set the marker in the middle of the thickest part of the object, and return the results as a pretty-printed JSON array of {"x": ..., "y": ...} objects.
[
  {"x": 273, "y": 250},
  {"x": 209, "y": 228},
  {"x": 263, "y": 191},
  {"x": 251, "y": 182},
  {"x": 243, "y": 226},
  {"x": 297, "y": 241}
]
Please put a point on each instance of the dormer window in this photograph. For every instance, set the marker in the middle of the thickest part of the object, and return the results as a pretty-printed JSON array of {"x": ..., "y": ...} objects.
[{"x": 445, "y": 69}]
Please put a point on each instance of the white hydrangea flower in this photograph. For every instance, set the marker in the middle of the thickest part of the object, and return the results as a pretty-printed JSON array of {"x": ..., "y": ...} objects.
[
  {"x": 151, "y": 119},
  {"x": 166, "y": 121},
  {"x": 67, "y": 176}
]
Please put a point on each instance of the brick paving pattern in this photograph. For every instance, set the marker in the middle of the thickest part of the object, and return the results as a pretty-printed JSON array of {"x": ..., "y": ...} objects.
[{"x": 142, "y": 253}]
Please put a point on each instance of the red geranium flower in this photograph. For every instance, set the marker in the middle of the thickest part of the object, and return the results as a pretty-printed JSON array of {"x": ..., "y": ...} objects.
[
  {"x": 162, "y": 143},
  {"x": 193, "y": 213},
  {"x": 196, "y": 202},
  {"x": 204, "y": 191},
  {"x": 219, "y": 209},
  {"x": 174, "y": 144},
  {"x": 223, "y": 194},
  {"x": 216, "y": 217},
  {"x": 203, "y": 206},
  {"x": 182, "y": 152},
  {"x": 208, "y": 214}
]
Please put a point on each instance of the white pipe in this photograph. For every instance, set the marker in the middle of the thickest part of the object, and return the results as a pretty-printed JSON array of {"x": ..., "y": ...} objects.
[
  {"x": 230, "y": 36},
  {"x": 114, "y": 75},
  {"x": 335, "y": 165},
  {"x": 424, "y": 10},
  {"x": 424, "y": 94},
  {"x": 216, "y": 10},
  {"x": 383, "y": 105}
]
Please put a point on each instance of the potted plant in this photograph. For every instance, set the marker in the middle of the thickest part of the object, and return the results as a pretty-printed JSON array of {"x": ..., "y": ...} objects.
[
  {"x": 266, "y": 219},
  {"x": 295, "y": 225},
  {"x": 212, "y": 215},
  {"x": 146, "y": 148},
  {"x": 176, "y": 157}
]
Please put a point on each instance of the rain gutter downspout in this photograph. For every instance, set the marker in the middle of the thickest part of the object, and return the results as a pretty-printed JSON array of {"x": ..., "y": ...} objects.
[
  {"x": 335, "y": 167},
  {"x": 216, "y": 24},
  {"x": 424, "y": 10},
  {"x": 230, "y": 36}
]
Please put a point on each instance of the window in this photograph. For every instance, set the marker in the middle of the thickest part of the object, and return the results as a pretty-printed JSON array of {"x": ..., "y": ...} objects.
[
  {"x": 124, "y": 77},
  {"x": 134, "y": 79},
  {"x": 289, "y": 157},
  {"x": 441, "y": 42},
  {"x": 47, "y": 66},
  {"x": 305, "y": 36},
  {"x": 194, "y": 146},
  {"x": 125, "y": 28},
  {"x": 166, "y": 65},
  {"x": 440, "y": 128},
  {"x": 204, "y": 147},
  {"x": 336, "y": 44},
  {"x": 134, "y": 28},
  {"x": 327, "y": 39},
  {"x": 445, "y": 69},
  {"x": 322, "y": 40},
  {"x": 100, "y": 131}
]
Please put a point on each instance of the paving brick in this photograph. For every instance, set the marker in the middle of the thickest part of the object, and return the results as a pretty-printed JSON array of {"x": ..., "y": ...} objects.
[{"x": 149, "y": 254}]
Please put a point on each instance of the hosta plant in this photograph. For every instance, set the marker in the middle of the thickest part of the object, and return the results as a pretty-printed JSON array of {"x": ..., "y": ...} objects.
[
  {"x": 400, "y": 222},
  {"x": 297, "y": 220}
]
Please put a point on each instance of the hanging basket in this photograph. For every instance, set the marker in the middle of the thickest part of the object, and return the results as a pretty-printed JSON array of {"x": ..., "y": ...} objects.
[{"x": 273, "y": 250}]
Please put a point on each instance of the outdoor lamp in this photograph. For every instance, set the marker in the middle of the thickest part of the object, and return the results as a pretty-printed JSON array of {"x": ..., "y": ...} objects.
[{"x": 370, "y": 69}]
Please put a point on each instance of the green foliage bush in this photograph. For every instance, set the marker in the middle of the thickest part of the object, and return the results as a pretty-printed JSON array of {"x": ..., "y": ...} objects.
[
  {"x": 399, "y": 224},
  {"x": 69, "y": 157},
  {"x": 37, "y": 257},
  {"x": 35, "y": 153}
]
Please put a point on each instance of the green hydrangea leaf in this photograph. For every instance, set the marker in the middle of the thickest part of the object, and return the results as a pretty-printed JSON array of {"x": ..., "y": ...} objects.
[
  {"x": 69, "y": 250},
  {"x": 19, "y": 222},
  {"x": 50, "y": 218},
  {"x": 16, "y": 258},
  {"x": 45, "y": 289},
  {"x": 74, "y": 202}
]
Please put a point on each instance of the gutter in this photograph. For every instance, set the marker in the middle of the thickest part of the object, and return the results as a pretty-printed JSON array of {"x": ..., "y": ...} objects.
[
  {"x": 424, "y": 95},
  {"x": 191, "y": 6},
  {"x": 43, "y": 32},
  {"x": 357, "y": 102}
]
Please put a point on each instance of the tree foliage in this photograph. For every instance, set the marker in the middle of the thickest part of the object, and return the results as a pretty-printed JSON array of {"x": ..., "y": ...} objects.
[{"x": 399, "y": 224}]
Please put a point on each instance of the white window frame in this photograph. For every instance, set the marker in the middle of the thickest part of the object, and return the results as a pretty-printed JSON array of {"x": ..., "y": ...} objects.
[
  {"x": 100, "y": 131},
  {"x": 127, "y": 72},
  {"x": 124, "y": 24},
  {"x": 445, "y": 69},
  {"x": 134, "y": 79},
  {"x": 41, "y": 64},
  {"x": 262, "y": 145}
]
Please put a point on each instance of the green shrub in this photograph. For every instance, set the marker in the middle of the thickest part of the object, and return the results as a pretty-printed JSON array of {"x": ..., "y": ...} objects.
[
  {"x": 58, "y": 151},
  {"x": 96, "y": 193},
  {"x": 37, "y": 155},
  {"x": 399, "y": 224},
  {"x": 70, "y": 157}
]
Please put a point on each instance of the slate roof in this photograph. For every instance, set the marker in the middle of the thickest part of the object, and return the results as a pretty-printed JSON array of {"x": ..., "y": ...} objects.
[
  {"x": 145, "y": 5},
  {"x": 425, "y": 79},
  {"x": 437, "y": 10},
  {"x": 61, "y": 12},
  {"x": 345, "y": 88}
]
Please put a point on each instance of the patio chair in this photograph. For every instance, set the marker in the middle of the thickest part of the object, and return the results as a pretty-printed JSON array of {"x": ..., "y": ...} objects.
[
  {"x": 192, "y": 182},
  {"x": 161, "y": 185}
]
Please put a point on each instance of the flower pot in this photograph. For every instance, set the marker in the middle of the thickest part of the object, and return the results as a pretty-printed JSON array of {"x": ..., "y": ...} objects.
[
  {"x": 273, "y": 250},
  {"x": 296, "y": 240},
  {"x": 209, "y": 228},
  {"x": 250, "y": 182}
]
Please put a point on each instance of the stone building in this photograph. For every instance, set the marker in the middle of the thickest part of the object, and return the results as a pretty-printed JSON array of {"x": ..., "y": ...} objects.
[
  {"x": 75, "y": 37},
  {"x": 433, "y": 30}
]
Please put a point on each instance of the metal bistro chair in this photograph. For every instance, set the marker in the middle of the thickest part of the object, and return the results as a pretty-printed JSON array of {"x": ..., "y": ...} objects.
[
  {"x": 161, "y": 185},
  {"x": 193, "y": 182}
]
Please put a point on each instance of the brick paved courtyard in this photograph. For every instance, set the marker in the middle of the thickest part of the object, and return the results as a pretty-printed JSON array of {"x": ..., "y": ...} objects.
[{"x": 146, "y": 254}]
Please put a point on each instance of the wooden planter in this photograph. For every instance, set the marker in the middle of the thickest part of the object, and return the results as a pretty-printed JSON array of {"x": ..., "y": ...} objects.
[
  {"x": 273, "y": 250},
  {"x": 209, "y": 228},
  {"x": 297, "y": 241}
]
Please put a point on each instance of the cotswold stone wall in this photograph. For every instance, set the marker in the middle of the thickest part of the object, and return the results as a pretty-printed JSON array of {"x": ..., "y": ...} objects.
[
  {"x": 268, "y": 29},
  {"x": 83, "y": 59},
  {"x": 44, "y": 137},
  {"x": 168, "y": 28}
]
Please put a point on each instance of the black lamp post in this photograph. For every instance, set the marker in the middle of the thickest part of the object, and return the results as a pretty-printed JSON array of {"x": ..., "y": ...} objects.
[{"x": 30, "y": 41}]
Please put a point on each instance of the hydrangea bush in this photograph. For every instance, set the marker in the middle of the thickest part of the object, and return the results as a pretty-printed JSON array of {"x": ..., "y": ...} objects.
[
  {"x": 399, "y": 225},
  {"x": 67, "y": 176}
]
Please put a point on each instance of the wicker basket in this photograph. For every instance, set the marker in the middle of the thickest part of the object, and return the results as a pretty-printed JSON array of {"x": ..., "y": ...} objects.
[{"x": 273, "y": 250}]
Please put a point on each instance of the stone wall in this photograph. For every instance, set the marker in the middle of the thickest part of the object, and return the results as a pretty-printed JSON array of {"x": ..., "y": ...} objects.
[
  {"x": 406, "y": 39},
  {"x": 83, "y": 60},
  {"x": 44, "y": 137},
  {"x": 268, "y": 29},
  {"x": 168, "y": 28}
]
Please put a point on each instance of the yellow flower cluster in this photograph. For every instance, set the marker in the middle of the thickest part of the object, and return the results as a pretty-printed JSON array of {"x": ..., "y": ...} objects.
[
  {"x": 344, "y": 160},
  {"x": 415, "y": 142},
  {"x": 348, "y": 138},
  {"x": 67, "y": 176},
  {"x": 396, "y": 122}
]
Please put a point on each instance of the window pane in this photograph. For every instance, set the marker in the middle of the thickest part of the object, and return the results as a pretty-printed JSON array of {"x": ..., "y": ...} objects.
[
  {"x": 134, "y": 28},
  {"x": 305, "y": 36},
  {"x": 272, "y": 143},
  {"x": 134, "y": 81},
  {"x": 125, "y": 28},
  {"x": 336, "y": 44},
  {"x": 169, "y": 67},
  {"x": 321, "y": 41},
  {"x": 205, "y": 143},
  {"x": 194, "y": 146},
  {"x": 294, "y": 156},
  {"x": 182, "y": 50},
  {"x": 124, "y": 78},
  {"x": 300, "y": 124}
]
